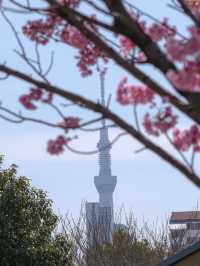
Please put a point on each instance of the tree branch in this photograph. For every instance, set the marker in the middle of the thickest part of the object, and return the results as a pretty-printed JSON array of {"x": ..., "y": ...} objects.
[
  {"x": 96, "y": 107},
  {"x": 67, "y": 14},
  {"x": 188, "y": 12}
]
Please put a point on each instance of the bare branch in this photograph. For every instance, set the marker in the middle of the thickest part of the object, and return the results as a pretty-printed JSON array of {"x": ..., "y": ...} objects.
[
  {"x": 30, "y": 62},
  {"x": 21, "y": 118},
  {"x": 97, "y": 108},
  {"x": 6, "y": 76},
  {"x": 96, "y": 151}
]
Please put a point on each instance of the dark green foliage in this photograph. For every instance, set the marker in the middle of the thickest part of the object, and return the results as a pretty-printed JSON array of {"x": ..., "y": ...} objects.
[{"x": 27, "y": 225}]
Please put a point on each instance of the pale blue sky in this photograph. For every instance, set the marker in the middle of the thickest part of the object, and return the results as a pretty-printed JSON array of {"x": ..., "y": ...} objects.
[{"x": 146, "y": 184}]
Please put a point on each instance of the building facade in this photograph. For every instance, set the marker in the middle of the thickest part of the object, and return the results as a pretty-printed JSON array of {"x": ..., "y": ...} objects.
[{"x": 184, "y": 228}]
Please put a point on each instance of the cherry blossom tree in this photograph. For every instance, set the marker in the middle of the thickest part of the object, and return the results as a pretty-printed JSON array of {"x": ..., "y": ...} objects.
[{"x": 103, "y": 32}]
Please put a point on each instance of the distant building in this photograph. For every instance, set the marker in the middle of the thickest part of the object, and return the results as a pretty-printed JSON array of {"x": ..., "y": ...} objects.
[
  {"x": 92, "y": 220},
  {"x": 184, "y": 228},
  {"x": 99, "y": 223}
]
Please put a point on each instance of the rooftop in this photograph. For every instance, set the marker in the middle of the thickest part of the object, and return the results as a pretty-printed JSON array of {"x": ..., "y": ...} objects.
[
  {"x": 185, "y": 216},
  {"x": 183, "y": 255}
]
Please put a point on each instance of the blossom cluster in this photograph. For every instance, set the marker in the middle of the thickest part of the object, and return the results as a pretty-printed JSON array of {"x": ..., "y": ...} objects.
[
  {"x": 126, "y": 45},
  {"x": 53, "y": 27},
  {"x": 70, "y": 3},
  {"x": 184, "y": 52},
  {"x": 163, "y": 31},
  {"x": 69, "y": 122},
  {"x": 56, "y": 147},
  {"x": 39, "y": 31},
  {"x": 35, "y": 95},
  {"x": 186, "y": 139},
  {"x": 161, "y": 123},
  {"x": 187, "y": 53},
  {"x": 157, "y": 32},
  {"x": 132, "y": 94}
]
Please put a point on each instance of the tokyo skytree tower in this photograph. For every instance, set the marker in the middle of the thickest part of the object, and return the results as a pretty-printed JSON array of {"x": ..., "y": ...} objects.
[{"x": 99, "y": 215}]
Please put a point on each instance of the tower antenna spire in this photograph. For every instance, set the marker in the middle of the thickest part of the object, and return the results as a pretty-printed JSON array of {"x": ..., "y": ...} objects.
[
  {"x": 104, "y": 144},
  {"x": 102, "y": 91}
]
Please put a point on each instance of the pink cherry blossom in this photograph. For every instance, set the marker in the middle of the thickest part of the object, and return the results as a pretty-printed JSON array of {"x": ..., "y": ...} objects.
[
  {"x": 70, "y": 123},
  {"x": 35, "y": 95},
  {"x": 157, "y": 32},
  {"x": 150, "y": 126},
  {"x": 175, "y": 49},
  {"x": 179, "y": 49},
  {"x": 48, "y": 99},
  {"x": 71, "y": 3},
  {"x": 165, "y": 120},
  {"x": 73, "y": 37},
  {"x": 185, "y": 139},
  {"x": 126, "y": 45},
  {"x": 194, "y": 134},
  {"x": 26, "y": 101},
  {"x": 181, "y": 140},
  {"x": 56, "y": 147},
  {"x": 185, "y": 80},
  {"x": 161, "y": 123},
  {"x": 133, "y": 94},
  {"x": 39, "y": 30},
  {"x": 187, "y": 53},
  {"x": 53, "y": 27},
  {"x": 183, "y": 52}
]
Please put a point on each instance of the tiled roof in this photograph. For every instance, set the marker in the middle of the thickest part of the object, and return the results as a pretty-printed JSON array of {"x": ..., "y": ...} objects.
[
  {"x": 184, "y": 216},
  {"x": 181, "y": 255}
]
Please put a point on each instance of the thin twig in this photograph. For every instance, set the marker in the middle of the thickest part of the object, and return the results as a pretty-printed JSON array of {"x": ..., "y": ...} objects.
[
  {"x": 135, "y": 113},
  {"x": 179, "y": 152},
  {"x": 98, "y": 150}
]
